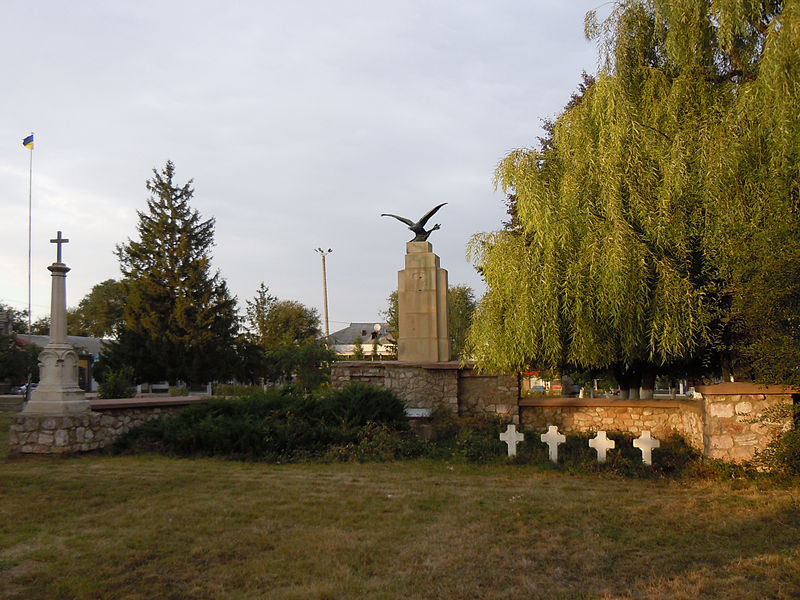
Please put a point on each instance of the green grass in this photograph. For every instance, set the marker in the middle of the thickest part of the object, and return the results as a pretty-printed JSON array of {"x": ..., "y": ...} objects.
[{"x": 154, "y": 527}]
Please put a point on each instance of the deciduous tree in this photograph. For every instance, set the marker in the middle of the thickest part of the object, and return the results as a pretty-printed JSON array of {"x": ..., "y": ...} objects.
[{"x": 639, "y": 228}]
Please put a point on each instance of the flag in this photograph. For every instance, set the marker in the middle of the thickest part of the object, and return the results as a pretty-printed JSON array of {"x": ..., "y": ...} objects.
[{"x": 28, "y": 142}]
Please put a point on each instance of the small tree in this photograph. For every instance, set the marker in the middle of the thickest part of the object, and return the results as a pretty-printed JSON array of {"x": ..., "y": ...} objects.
[
  {"x": 101, "y": 312},
  {"x": 17, "y": 359},
  {"x": 358, "y": 348}
]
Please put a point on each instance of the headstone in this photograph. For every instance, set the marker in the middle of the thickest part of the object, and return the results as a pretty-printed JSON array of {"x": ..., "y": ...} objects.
[
  {"x": 602, "y": 444},
  {"x": 552, "y": 438},
  {"x": 512, "y": 437},
  {"x": 645, "y": 443},
  {"x": 58, "y": 391}
]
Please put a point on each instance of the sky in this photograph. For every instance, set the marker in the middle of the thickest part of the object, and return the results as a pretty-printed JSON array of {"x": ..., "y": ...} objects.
[{"x": 298, "y": 122}]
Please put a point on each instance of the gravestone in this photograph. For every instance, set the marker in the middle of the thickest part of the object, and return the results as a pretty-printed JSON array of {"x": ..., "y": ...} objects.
[
  {"x": 602, "y": 444},
  {"x": 58, "y": 392},
  {"x": 646, "y": 444},
  {"x": 552, "y": 438},
  {"x": 422, "y": 307},
  {"x": 512, "y": 437}
]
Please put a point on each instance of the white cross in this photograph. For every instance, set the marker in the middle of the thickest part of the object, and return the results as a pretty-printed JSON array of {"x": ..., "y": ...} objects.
[
  {"x": 511, "y": 437},
  {"x": 601, "y": 443},
  {"x": 645, "y": 443},
  {"x": 552, "y": 438}
]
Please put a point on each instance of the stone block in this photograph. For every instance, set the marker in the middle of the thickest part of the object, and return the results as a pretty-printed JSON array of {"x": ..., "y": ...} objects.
[
  {"x": 744, "y": 408},
  {"x": 722, "y": 442},
  {"x": 742, "y": 452},
  {"x": 61, "y": 437},
  {"x": 747, "y": 439},
  {"x": 45, "y": 439},
  {"x": 721, "y": 410}
]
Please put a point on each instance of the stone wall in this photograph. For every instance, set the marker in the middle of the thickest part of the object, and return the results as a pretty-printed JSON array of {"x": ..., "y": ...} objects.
[
  {"x": 426, "y": 385},
  {"x": 740, "y": 418},
  {"x": 582, "y": 415},
  {"x": 31, "y": 433},
  {"x": 488, "y": 395}
]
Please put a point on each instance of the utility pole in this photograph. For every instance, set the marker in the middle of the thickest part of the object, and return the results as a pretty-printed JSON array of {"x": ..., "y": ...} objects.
[{"x": 323, "y": 254}]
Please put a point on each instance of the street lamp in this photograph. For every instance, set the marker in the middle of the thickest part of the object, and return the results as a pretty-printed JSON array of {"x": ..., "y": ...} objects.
[{"x": 323, "y": 254}]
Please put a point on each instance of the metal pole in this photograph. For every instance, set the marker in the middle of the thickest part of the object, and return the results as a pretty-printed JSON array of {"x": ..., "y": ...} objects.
[
  {"x": 30, "y": 190},
  {"x": 323, "y": 254}
]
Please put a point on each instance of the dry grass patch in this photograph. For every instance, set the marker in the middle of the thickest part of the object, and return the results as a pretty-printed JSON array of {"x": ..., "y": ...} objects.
[{"x": 147, "y": 527}]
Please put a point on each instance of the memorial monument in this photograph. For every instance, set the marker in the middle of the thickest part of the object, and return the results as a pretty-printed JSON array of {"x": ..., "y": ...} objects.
[
  {"x": 58, "y": 392},
  {"x": 422, "y": 298}
]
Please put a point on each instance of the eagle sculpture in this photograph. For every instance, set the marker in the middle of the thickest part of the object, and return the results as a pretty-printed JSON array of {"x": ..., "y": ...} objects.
[{"x": 419, "y": 227}]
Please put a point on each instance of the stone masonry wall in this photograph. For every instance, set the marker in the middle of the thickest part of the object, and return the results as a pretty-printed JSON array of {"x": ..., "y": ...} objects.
[
  {"x": 420, "y": 385},
  {"x": 488, "y": 395},
  {"x": 582, "y": 415},
  {"x": 739, "y": 419},
  {"x": 425, "y": 385},
  {"x": 62, "y": 434}
]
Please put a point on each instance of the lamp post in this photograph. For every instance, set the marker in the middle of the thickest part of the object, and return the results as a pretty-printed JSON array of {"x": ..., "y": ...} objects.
[{"x": 323, "y": 254}]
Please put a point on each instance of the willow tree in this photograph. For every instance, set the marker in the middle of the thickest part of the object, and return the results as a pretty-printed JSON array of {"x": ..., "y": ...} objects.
[{"x": 620, "y": 253}]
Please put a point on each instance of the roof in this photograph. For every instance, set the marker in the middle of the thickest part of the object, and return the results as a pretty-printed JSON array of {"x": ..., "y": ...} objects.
[
  {"x": 81, "y": 344},
  {"x": 365, "y": 330}
]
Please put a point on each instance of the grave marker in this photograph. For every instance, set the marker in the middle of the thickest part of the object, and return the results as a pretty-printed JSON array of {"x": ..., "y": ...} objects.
[
  {"x": 512, "y": 437},
  {"x": 552, "y": 438},
  {"x": 645, "y": 443},
  {"x": 602, "y": 444}
]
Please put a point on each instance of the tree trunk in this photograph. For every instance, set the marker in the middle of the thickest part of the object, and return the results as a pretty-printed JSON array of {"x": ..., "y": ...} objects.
[{"x": 648, "y": 383}]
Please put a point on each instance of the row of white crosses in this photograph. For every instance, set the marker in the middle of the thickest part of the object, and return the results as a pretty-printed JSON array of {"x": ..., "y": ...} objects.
[{"x": 600, "y": 443}]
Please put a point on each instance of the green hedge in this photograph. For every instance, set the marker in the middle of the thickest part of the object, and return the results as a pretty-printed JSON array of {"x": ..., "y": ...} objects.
[{"x": 271, "y": 425}]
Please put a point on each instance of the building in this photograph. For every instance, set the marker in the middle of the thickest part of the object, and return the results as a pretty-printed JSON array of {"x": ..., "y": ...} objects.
[{"x": 374, "y": 336}]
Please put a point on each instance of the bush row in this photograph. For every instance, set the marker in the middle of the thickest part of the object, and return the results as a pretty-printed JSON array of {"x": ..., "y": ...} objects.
[{"x": 361, "y": 422}]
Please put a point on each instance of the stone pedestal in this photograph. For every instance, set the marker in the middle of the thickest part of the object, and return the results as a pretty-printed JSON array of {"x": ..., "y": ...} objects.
[
  {"x": 422, "y": 307},
  {"x": 58, "y": 392}
]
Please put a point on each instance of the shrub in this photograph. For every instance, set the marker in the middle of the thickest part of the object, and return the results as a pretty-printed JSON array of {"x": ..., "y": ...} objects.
[
  {"x": 380, "y": 443},
  {"x": 782, "y": 455},
  {"x": 178, "y": 391},
  {"x": 356, "y": 404},
  {"x": 117, "y": 384},
  {"x": 475, "y": 439},
  {"x": 271, "y": 425},
  {"x": 674, "y": 456}
]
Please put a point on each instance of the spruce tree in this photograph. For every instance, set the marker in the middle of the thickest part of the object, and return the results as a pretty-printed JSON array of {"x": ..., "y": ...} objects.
[{"x": 180, "y": 320}]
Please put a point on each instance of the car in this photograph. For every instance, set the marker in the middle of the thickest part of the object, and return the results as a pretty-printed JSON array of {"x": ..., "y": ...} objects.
[{"x": 22, "y": 389}]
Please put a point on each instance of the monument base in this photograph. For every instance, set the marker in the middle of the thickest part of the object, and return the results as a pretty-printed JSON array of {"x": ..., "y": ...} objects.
[{"x": 57, "y": 401}]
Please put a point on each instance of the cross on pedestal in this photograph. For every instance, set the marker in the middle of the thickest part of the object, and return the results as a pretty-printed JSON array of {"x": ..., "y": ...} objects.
[
  {"x": 602, "y": 444},
  {"x": 552, "y": 438},
  {"x": 645, "y": 443},
  {"x": 512, "y": 437},
  {"x": 59, "y": 241}
]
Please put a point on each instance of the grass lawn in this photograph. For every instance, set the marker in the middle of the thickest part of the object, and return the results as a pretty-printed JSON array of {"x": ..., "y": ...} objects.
[{"x": 153, "y": 527}]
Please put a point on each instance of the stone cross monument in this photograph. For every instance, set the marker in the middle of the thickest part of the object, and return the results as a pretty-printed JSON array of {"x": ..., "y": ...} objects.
[{"x": 58, "y": 391}]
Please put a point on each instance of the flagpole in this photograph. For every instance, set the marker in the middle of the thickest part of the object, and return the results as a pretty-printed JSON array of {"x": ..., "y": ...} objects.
[{"x": 30, "y": 195}]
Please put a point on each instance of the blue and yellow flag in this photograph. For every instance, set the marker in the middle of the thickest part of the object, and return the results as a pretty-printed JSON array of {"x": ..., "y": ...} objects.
[{"x": 28, "y": 142}]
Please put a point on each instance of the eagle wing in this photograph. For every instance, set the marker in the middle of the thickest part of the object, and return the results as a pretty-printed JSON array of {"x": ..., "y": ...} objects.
[
  {"x": 408, "y": 222},
  {"x": 429, "y": 214}
]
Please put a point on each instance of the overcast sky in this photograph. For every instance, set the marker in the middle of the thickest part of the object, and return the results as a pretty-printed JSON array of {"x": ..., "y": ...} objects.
[{"x": 299, "y": 122}]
